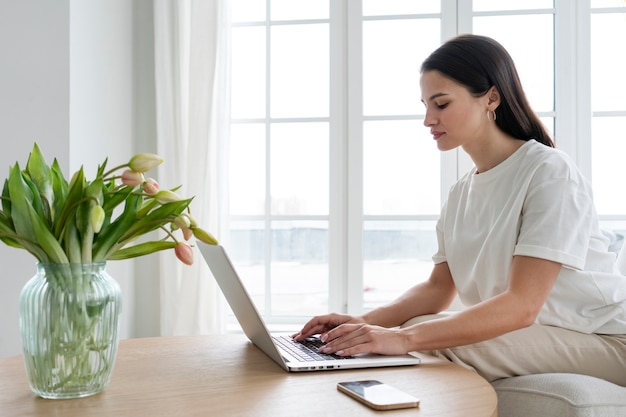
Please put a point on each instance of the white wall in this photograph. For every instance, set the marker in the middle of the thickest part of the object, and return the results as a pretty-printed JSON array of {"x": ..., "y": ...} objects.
[
  {"x": 34, "y": 106},
  {"x": 77, "y": 78},
  {"x": 101, "y": 102},
  {"x": 147, "y": 310}
]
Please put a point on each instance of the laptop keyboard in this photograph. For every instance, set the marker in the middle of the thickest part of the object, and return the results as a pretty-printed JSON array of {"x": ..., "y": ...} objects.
[{"x": 307, "y": 349}]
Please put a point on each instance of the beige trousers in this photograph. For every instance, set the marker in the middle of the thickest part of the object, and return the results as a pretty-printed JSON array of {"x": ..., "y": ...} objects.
[{"x": 541, "y": 349}]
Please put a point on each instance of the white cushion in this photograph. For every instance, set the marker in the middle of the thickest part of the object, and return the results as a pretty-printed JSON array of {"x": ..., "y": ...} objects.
[{"x": 559, "y": 395}]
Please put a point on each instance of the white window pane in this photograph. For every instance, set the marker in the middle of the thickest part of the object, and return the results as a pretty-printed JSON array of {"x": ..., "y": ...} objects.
[
  {"x": 401, "y": 169},
  {"x": 299, "y": 268},
  {"x": 299, "y": 168},
  {"x": 299, "y": 9},
  {"x": 607, "y": 3},
  {"x": 299, "y": 71},
  {"x": 535, "y": 65},
  {"x": 607, "y": 158},
  {"x": 400, "y": 7},
  {"x": 548, "y": 122},
  {"x": 247, "y": 238},
  {"x": 608, "y": 62},
  {"x": 247, "y": 169},
  {"x": 393, "y": 51},
  {"x": 397, "y": 255},
  {"x": 248, "y": 73},
  {"x": 247, "y": 10},
  {"x": 492, "y": 5}
]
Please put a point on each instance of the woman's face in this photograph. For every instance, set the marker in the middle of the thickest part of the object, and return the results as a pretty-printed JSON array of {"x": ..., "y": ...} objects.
[{"x": 454, "y": 116}]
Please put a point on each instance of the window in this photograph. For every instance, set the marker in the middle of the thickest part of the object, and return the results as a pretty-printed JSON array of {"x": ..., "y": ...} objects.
[
  {"x": 335, "y": 185},
  {"x": 608, "y": 89},
  {"x": 508, "y": 22},
  {"x": 280, "y": 168}
]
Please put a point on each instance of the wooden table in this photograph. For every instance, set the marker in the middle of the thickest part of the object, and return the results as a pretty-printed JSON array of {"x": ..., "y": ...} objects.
[{"x": 204, "y": 376}]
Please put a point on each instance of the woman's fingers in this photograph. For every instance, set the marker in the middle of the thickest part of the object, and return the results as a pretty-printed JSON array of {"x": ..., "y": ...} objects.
[
  {"x": 353, "y": 339},
  {"x": 321, "y": 324}
]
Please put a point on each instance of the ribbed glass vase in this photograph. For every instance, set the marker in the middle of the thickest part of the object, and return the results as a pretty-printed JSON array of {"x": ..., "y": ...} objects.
[{"x": 69, "y": 324}]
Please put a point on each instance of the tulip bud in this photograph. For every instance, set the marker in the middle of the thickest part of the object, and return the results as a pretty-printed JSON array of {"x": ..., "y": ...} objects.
[
  {"x": 204, "y": 236},
  {"x": 184, "y": 253},
  {"x": 132, "y": 178},
  {"x": 192, "y": 221},
  {"x": 167, "y": 196},
  {"x": 182, "y": 221},
  {"x": 144, "y": 162},
  {"x": 96, "y": 218},
  {"x": 78, "y": 176},
  {"x": 150, "y": 186},
  {"x": 187, "y": 233}
]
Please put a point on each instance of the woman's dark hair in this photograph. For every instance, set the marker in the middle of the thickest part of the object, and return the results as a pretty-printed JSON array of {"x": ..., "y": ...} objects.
[{"x": 478, "y": 63}]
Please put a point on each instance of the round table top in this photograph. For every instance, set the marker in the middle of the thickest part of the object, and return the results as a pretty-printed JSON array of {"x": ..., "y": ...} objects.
[{"x": 226, "y": 375}]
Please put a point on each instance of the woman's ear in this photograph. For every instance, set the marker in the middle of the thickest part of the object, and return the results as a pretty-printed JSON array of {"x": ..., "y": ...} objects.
[{"x": 494, "y": 98}]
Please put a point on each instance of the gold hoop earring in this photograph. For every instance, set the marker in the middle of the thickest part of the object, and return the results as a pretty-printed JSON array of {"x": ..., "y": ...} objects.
[{"x": 489, "y": 113}]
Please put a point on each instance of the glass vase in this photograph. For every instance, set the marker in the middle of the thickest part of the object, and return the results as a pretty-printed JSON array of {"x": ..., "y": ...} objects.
[{"x": 69, "y": 324}]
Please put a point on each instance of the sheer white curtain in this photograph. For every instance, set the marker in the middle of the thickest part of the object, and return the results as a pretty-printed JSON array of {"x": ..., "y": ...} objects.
[{"x": 191, "y": 60}]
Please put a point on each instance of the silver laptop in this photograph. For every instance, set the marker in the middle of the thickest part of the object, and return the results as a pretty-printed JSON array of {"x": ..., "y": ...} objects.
[{"x": 291, "y": 355}]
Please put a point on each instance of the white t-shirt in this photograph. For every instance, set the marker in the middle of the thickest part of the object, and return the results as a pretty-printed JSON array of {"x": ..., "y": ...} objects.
[{"x": 535, "y": 203}]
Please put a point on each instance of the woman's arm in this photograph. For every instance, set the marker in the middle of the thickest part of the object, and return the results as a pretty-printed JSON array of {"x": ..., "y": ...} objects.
[
  {"x": 531, "y": 280},
  {"x": 431, "y": 296}
]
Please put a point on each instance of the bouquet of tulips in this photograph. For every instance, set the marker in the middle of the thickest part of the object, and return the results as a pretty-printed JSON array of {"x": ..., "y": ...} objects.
[
  {"x": 69, "y": 311},
  {"x": 84, "y": 221}
]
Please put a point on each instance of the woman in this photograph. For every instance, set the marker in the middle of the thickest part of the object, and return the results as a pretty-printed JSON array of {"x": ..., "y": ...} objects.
[{"x": 519, "y": 241}]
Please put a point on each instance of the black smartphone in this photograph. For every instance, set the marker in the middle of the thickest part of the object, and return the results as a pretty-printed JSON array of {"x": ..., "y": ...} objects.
[{"x": 378, "y": 395}]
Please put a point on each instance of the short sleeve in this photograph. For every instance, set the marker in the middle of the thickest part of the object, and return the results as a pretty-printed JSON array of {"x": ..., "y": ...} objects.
[{"x": 556, "y": 219}]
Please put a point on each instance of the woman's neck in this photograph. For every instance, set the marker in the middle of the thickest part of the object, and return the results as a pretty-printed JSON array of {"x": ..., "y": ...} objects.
[{"x": 489, "y": 153}]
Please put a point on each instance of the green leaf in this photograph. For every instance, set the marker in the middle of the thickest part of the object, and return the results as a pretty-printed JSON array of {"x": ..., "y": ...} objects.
[
  {"x": 148, "y": 205},
  {"x": 46, "y": 239},
  {"x": 101, "y": 168},
  {"x": 142, "y": 249},
  {"x": 109, "y": 236},
  {"x": 114, "y": 199},
  {"x": 7, "y": 234},
  {"x": 59, "y": 191},
  {"x": 21, "y": 201},
  {"x": 6, "y": 222},
  {"x": 71, "y": 243},
  {"x": 92, "y": 195},
  {"x": 41, "y": 207},
  {"x": 70, "y": 204},
  {"x": 157, "y": 218},
  {"x": 41, "y": 174},
  {"x": 6, "y": 198},
  {"x": 12, "y": 239},
  {"x": 15, "y": 241}
]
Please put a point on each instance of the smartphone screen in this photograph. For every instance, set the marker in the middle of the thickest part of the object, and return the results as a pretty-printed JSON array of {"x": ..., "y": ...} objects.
[{"x": 378, "y": 395}]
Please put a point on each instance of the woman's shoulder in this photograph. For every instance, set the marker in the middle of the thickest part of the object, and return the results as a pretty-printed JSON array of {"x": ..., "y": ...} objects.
[
  {"x": 549, "y": 162},
  {"x": 532, "y": 164}
]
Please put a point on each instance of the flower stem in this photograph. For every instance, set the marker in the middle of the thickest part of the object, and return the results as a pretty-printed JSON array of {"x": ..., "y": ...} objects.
[{"x": 112, "y": 170}]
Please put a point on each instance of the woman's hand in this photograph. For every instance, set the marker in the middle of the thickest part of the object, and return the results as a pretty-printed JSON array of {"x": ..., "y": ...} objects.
[
  {"x": 322, "y": 324},
  {"x": 346, "y": 335},
  {"x": 350, "y": 339}
]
